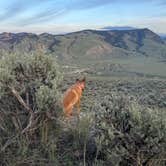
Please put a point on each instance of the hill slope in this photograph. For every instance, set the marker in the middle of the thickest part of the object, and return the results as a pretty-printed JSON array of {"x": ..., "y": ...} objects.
[{"x": 87, "y": 44}]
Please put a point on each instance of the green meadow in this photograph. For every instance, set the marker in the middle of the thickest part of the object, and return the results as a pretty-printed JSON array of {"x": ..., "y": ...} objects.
[{"x": 125, "y": 66}]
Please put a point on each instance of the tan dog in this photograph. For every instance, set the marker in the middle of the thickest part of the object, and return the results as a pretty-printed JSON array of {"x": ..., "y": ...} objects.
[{"x": 72, "y": 97}]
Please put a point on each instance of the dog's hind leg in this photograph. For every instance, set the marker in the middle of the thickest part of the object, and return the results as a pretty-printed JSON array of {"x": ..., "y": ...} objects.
[{"x": 68, "y": 112}]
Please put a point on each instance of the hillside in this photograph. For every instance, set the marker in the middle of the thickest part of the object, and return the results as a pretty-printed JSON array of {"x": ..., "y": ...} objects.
[
  {"x": 164, "y": 39},
  {"x": 87, "y": 44},
  {"x": 119, "y": 118}
]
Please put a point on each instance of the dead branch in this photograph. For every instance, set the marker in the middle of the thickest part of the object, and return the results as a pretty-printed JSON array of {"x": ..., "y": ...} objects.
[
  {"x": 8, "y": 143},
  {"x": 32, "y": 123},
  {"x": 14, "y": 120},
  {"x": 21, "y": 101},
  {"x": 27, "y": 98},
  {"x": 32, "y": 120},
  {"x": 49, "y": 116}
]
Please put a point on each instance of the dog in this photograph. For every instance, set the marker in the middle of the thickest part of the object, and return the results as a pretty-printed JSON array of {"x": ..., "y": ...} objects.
[{"x": 72, "y": 97}]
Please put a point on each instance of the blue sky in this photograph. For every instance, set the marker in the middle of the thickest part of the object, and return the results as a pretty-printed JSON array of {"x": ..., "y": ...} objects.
[{"x": 61, "y": 16}]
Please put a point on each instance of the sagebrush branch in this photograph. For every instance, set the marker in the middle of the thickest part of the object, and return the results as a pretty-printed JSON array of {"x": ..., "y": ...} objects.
[
  {"x": 32, "y": 120},
  {"x": 21, "y": 101}
]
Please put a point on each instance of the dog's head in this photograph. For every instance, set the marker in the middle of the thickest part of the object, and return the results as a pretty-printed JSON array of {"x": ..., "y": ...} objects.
[{"x": 81, "y": 82}]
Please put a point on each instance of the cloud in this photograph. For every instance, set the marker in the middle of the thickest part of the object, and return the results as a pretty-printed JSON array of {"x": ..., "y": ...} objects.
[
  {"x": 53, "y": 9},
  {"x": 82, "y": 4},
  {"x": 44, "y": 16},
  {"x": 68, "y": 6},
  {"x": 23, "y": 15},
  {"x": 156, "y": 24},
  {"x": 162, "y": 2},
  {"x": 18, "y": 7},
  {"x": 52, "y": 28},
  {"x": 12, "y": 10}
]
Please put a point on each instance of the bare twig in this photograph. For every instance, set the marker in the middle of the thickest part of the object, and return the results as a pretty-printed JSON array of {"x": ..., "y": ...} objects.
[
  {"x": 27, "y": 98},
  {"x": 8, "y": 143},
  {"x": 14, "y": 120},
  {"x": 32, "y": 123},
  {"x": 19, "y": 98},
  {"x": 32, "y": 120}
]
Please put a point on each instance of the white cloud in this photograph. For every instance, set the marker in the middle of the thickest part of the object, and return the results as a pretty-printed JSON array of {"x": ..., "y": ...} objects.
[
  {"x": 156, "y": 24},
  {"x": 51, "y": 28}
]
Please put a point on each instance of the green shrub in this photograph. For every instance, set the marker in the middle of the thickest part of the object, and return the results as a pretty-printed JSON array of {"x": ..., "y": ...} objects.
[
  {"x": 75, "y": 141},
  {"x": 129, "y": 134},
  {"x": 36, "y": 76},
  {"x": 29, "y": 108}
]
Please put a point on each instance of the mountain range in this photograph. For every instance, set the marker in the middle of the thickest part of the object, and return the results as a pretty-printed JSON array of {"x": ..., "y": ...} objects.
[
  {"x": 118, "y": 28},
  {"x": 87, "y": 44}
]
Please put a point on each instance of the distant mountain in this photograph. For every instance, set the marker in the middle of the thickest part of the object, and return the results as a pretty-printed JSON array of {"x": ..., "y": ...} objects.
[
  {"x": 118, "y": 28},
  {"x": 162, "y": 35},
  {"x": 87, "y": 44}
]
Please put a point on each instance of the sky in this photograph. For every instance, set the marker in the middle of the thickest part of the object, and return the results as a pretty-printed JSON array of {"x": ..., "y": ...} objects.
[{"x": 63, "y": 16}]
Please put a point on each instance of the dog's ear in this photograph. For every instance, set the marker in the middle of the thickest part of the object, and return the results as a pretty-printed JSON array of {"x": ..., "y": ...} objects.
[
  {"x": 77, "y": 80},
  {"x": 84, "y": 79}
]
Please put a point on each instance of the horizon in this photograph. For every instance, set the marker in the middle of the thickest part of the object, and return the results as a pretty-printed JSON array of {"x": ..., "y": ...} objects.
[
  {"x": 59, "y": 34},
  {"x": 57, "y": 17}
]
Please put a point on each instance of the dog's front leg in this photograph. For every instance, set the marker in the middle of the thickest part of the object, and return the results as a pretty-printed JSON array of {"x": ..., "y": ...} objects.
[{"x": 78, "y": 108}]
